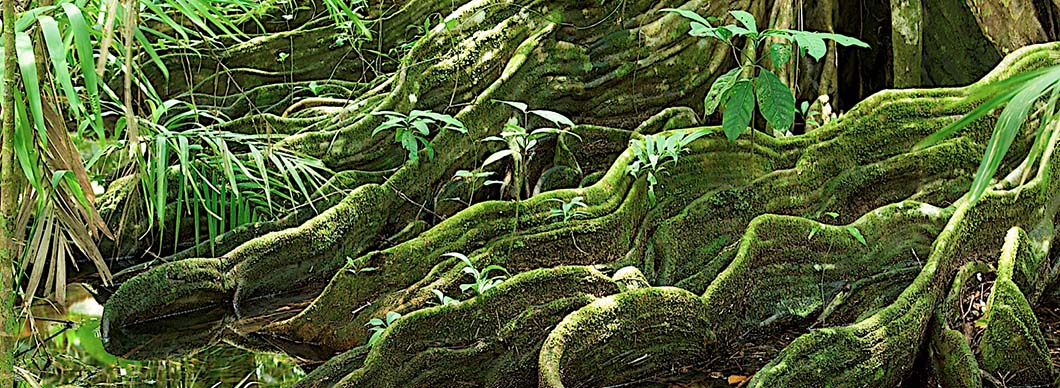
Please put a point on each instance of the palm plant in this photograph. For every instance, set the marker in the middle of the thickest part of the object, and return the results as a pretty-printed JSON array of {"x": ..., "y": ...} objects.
[
  {"x": 67, "y": 65},
  {"x": 1019, "y": 95}
]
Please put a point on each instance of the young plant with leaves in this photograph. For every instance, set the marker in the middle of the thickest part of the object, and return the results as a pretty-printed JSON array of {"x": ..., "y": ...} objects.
[
  {"x": 413, "y": 130},
  {"x": 1021, "y": 96},
  {"x": 473, "y": 180},
  {"x": 568, "y": 210},
  {"x": 654, "y": 152},
  {"x": 443, "y": 299},
  {"x": 737, "y": 91},
  {"x": 378, "y": 326},
  {"x": 482, "y": 279},
  {"x": 521, "y": 143}
]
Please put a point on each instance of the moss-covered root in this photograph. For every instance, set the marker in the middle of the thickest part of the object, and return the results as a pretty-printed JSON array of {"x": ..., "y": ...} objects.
[
  {"x": 953, "y": 364},
  {"x": 879, "y": 350},
  {"x": 331, "y": 372},
  {"x": 626, "y": 337},
  {"x": 1012, "y": 347},
  {"x": 244, "y": 282},
  {"x": 137, "y": 326},
  {"x": 491, "y": 340}
]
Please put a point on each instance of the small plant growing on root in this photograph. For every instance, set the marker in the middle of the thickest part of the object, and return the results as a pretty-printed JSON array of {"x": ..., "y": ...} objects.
[
  {"x": 443, "y": 299},
  {"x": 412, "y": 130},
  {"x": 654, "y": 152},
  {"x": 737, "y": 90},
  {"x": 482, "y": 280},
  {"x": 522, "y": 142},
  {"x": 378, "y": 326},
  {"x": 568, "y": 210}
]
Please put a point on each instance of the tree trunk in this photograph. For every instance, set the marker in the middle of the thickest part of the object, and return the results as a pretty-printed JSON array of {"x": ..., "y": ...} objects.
[
  {"x": 8, "y": 200},
  {"x": 737, "y": 252}
]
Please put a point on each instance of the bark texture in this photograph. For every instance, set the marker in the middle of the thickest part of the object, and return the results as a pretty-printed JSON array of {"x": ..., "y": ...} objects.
[{"x": 738, "y": 250}]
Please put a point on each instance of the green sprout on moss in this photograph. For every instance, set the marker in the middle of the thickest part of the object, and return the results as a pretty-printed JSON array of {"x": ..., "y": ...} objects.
[
  {"x": 378, "y": 326},
  {"x": 654, "y": 152},
  {"x": 568, "y": 210},
  {"x": 443, "y": 299},
  {"x": 521, "y": 142},
  {"x": 483, "y": 281},
  {"x": 412, "y": 130}
]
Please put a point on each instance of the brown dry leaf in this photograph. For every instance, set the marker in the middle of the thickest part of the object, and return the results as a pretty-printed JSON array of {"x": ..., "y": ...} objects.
[{"x": 738, "y": 380}]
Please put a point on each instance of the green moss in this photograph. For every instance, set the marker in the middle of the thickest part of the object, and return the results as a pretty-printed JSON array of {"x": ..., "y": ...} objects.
[
  {"x": 1012, "y": 345},
  {"x": 489, "y": 340}
]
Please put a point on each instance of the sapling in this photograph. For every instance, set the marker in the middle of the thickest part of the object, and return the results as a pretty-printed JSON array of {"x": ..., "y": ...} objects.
[{"x": 737, "y": 90}]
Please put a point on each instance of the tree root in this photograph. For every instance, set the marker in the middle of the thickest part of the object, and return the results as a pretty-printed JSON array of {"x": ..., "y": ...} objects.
[{"x": 740, "y": 230}]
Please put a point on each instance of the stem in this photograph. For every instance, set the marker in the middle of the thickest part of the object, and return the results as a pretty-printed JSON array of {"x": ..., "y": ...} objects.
[{"x": 8, "y": 198}]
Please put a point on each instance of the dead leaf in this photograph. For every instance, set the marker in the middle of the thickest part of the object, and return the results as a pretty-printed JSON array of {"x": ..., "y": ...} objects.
[{"x": 738, "y": 380}]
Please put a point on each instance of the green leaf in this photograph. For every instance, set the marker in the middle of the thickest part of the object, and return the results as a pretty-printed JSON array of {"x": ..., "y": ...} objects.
[
  {"x": 517, "y": 105},
  {"x": 842, "y": 40},
  {"x": 688, "y": 14},
  {"x": 746, "y": 19},
  {"x": 718, "y": 89},
  {"x": 391, "y": 317},
  {"x": 57, "y": 52},
  {"x": 780, "y": 53},
  {"x": 857, "y": 235},
  {"x": 554, "y": 117},
  {"x": 813, "y": 232},
  {"x": 496, "y": 157},
  {"x": 27, "y": 63},
  {"x": 810, "y": 43},
  {"x": 775, "y": 100},
  {"x": 738, "y": 110},
  {"x": 83, "y": 43},
  {"x": 25, "y": 147},
  {"x": 149, "y": 48}
]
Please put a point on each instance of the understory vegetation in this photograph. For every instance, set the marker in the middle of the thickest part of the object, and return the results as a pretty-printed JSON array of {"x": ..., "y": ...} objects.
[{"x": 523, "y": 193}]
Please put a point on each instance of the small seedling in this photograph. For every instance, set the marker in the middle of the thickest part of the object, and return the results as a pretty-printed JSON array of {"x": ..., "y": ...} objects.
[
  {"x": 315, "y": 88},
  {"x": 378, "y": 326},
  {"x": 474, "y": 180},
  {"x": 568, "y": 210},
  {"x": 443, "y": 299},
  {"x": 351, "y": 264},
  {"x": 412, "y": 130},
  {"x": 857, "y": 235},
  {"x": 521, "y": 142},
  {"x": 483, "y": 281},
  {"x": 817, "y": 228},
  {"x": 654, "y": 152}
]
